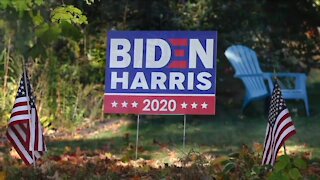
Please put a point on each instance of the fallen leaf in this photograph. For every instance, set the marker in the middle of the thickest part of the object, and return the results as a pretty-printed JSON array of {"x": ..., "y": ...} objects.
[
  {"x": 56, "y": 176},
  {"x": 67, "y": 149},
  {"x": 78, "y": 151},
  {"x": 136, "y": 178},
  {"x": 258, "y": 147},
  {"x": 220, "y": 160},
  {"x": 3, "y": 175}
]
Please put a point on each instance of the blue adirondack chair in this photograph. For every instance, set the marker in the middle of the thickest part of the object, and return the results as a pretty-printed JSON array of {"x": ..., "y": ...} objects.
[{"x": 245, "y": 62}]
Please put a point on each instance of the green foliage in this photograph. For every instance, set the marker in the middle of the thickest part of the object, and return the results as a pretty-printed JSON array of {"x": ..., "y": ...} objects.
[
  {"x": 288, "y": 168},
  {"x": 48, "y": 34},
  {"x": 48, "y": 47},
  {"x": 19, "y": 5},
  {"x": 65, "y": 43},
  {"x": 69, "y": 14}
]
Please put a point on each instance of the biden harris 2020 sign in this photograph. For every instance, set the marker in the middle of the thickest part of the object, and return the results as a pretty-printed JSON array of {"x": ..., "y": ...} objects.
[{"x": 161, "y": 72}]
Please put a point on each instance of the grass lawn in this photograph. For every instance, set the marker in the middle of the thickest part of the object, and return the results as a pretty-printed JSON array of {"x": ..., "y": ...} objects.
[
  {"x": 161, "y": 137},
  {"x": 103, "y": 149}
]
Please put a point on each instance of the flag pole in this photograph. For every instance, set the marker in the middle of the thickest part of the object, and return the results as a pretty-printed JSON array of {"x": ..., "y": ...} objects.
[
  {"x": 28, "y": 103},
  {"x": 284, "y": 149}
]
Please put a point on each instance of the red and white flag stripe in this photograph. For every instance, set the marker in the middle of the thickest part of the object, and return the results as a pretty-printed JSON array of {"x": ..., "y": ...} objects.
[
  {"x": 276, "y": 136},
  {"x": 24, "y": 129}
]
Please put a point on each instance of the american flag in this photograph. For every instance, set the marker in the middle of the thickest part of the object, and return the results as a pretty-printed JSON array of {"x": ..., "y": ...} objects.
[
  {"x": 24, "y": 129},
  {"x": 280, "y": 127}
]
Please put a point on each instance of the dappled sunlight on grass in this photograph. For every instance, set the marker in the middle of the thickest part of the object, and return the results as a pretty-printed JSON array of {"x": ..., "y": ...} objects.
[
  {"x": 162, "y": 139},
  {"x": 311, "y": 152}
]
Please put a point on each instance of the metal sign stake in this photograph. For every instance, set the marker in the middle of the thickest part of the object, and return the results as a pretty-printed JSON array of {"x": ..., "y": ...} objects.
[
  {"x": 137, "y": 137},
  {"x": 184, "y": 130}
]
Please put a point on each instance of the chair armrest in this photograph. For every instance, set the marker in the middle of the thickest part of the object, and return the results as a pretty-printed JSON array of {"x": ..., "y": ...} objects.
[
  {"x": 265, "y": 76},
  {"x": 249, "y": 75},
  {"x": 300, "y": 78},
  {"x": 292, "y": 75}
]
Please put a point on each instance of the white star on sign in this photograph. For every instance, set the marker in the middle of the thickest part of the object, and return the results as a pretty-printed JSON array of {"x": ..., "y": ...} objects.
[
  {"x": 194, "y": 105},
  {"x": 184, "y": 105},
  {"x": 114, "y": 104},
  {"x": 124, "y": 104},
  {"x": 134, "y": 104},
  {"x": 204, "y": 105}
]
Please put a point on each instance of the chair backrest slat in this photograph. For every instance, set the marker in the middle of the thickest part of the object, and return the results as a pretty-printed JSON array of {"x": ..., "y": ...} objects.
[{"x": 245, "y": 62}]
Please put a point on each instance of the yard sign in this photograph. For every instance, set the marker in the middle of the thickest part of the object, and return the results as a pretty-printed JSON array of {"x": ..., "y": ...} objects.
[{"x": 161, "y": 72}]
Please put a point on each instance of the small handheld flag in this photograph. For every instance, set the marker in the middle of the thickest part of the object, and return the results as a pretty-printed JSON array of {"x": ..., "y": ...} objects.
[
  {"x": 279, "y": 128},
  {"x": 24, "y": 130}
]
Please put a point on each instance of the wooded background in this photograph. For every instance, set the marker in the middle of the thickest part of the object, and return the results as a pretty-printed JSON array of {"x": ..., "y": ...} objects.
[{"x": 64, "y": 45}]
